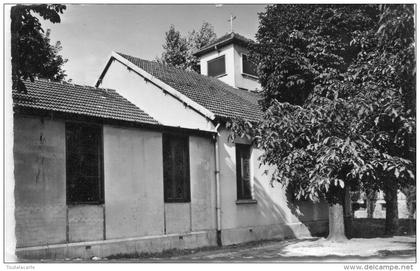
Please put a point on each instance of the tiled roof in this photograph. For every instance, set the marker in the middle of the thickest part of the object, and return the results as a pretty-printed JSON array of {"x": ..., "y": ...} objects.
[
  {"x": 223, "y": 41},
  {"x": 211, "y": 93},
  {"x": 82, "y": 100}
]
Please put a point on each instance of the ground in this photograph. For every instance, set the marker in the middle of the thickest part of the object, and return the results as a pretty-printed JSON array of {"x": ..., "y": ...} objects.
[{"x": 395, "y": 249}]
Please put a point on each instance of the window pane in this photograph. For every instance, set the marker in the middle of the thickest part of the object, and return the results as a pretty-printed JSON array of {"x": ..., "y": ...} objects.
[
  {"x": 84, "y": 156},
  {"x": 216, "y": 66},
  {"x": 248, "y": 67},
  {"x": 176, "y": 172},
  {"x": 243, "y": 178}
]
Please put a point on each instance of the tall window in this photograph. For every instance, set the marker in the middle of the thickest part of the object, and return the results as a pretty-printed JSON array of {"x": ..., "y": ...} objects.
[
  {"x": 176, "y": 168},
  {"x": 84, "y": 163},
  {"x": 243, "y": 175},
  {"x": 216, "y": 67},
  {"x": 248, "y": 67}
]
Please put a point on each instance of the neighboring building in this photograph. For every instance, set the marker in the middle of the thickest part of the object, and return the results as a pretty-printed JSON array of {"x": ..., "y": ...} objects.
[
  {"x": 406, "y": 207},
  {"x": 148, "y": 167}
]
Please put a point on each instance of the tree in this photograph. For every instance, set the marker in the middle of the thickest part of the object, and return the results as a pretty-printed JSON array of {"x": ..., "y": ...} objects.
[
  {"x": 385, "y": 73},
  {"x": 196, "y": 41},
  {"x": 303, "y": 52},
  {"x": 53, "y": 68},
  {"x": 32, "y": 53},
  {"x": 301, "y": 47},
  {"x": 316, "y": 120},
  {"x": 175, "y": 49},
  {"x": 315, "y": 153},
  {"x": 178, "y": 51}
]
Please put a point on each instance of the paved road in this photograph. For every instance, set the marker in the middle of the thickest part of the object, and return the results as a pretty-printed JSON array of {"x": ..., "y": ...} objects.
[{"x": 281, "y": 251}]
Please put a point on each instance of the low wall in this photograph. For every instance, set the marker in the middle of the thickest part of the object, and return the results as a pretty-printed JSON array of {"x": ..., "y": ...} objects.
[
  {"x": 274, "y": 231},
  {"x": 375, "y": 227},
  {"x": 116, "y": 247},
  {"x": 155, "y": 244}
]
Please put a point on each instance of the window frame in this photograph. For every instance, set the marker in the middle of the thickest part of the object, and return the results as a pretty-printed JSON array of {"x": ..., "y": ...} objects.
[
  {"x": 213, "y": 60},
  {"x": 187, "y": 181},
  {"x": 242, "y": 68},
  {"x": 240, "y": 195},
  {"x": 101, "y": 183}
]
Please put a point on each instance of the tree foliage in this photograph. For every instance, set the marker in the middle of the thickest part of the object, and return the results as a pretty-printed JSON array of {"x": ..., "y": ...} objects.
[
  {"x": 303, "y": 46},
  {"x": 382, "y": 83},
  {"x": 175, "y": 49},
  {"x": 179, "y": 51},
  {"x": 32, "y": 53},
  {"x": 384, "y": 75},
  {"x": 197, "y": 40},
  {"x": 338, "y": 82}
]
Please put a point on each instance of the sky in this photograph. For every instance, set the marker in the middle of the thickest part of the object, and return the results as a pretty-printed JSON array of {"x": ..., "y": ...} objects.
[{"x": 89, "y": 33}]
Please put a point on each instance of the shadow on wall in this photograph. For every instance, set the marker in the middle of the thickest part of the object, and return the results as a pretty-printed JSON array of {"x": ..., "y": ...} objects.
[
  {"x": 269, "y": 209},
  {"x": 309, "y": 212},
  {"x": 274, "y": 215},
  {"x": 298, "y": 218}
]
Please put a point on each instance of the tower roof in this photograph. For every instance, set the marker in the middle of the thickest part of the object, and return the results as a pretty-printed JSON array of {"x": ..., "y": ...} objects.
[{"x": 230, "y": 38}]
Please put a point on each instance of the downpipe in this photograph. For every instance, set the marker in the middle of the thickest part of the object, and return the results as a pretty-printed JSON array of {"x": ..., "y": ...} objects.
[{"x": 218, "y": 198}]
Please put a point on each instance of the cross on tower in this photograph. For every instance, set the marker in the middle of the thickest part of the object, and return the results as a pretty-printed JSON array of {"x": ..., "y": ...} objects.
[{"x": 231, "y": 22}]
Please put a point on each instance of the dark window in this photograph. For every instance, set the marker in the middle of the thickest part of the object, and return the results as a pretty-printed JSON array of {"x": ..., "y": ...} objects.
[
  {"x": 243, "y": 178},
  {"x": 216, "y": 67},
  {"x": 176, "y": 168},
  {"x": 383, "y": 205},
  {"x": 358, "y": 206},
  {"x": 84, "y": 163},
  {"x": 248, "y": 67},
  {"x": 364, "y": 204},
  {"x": 355, "y": 206}
]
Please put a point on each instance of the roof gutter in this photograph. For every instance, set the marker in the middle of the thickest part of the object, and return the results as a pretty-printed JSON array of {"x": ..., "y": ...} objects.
[
  {"x": 218, "y": 45},
  {"x": 70, "y": 116},
  {"x": 213, "y": 47}
]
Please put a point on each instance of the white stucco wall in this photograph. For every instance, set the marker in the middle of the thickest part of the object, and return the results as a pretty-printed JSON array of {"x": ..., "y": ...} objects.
[
  {"x": 133, "y": 182},
  {"x": 203, "y": 184},
  {"x": 133, "y": 185},
  {"x": 163, "y": 107},
  {"x": 273, "y": 208},
  {"x": 40, "y": 181}
]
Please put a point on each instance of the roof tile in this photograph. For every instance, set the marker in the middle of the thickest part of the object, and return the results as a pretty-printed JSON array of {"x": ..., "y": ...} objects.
[
  {"x": 211, "y": 93},
  {"x": 77, "y": 99}
]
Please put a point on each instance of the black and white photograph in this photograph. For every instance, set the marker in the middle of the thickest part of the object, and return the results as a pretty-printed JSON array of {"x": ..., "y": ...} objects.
[{"x": 209, "y": 133}]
